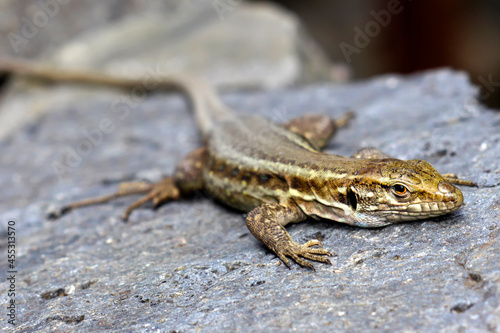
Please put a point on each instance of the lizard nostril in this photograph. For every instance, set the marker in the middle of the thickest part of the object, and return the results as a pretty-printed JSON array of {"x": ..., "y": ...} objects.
[{"x": 445, "y": 187}]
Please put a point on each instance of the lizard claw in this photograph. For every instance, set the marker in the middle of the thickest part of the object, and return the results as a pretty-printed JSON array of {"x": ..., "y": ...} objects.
[{"x": 296, "y": 251}]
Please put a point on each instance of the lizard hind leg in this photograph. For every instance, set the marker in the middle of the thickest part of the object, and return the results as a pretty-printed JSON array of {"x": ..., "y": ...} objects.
[
  {"x": 187, "y": 177},
  {"x": 317, "y": 128},
  {"x": 160, "y": 192}
]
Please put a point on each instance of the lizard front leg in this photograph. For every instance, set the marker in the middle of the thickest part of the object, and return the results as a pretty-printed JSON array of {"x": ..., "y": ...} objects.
[
  {"x": 453, "y": 179},
  {"x": 267, "y": 223},
  {"x": 188, "y": 177}
]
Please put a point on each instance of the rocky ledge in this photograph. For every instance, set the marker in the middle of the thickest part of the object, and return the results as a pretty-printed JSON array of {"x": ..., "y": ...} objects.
[{"x": 193, "y": 266}]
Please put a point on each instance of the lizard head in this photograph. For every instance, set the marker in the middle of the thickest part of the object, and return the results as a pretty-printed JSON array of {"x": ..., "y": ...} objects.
[{"x": 389, "y": 191}]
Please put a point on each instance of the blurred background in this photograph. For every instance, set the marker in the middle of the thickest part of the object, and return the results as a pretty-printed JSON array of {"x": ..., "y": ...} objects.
[
  {"x": 267, "y": 44},
  {"x": 425, "y": 34}
]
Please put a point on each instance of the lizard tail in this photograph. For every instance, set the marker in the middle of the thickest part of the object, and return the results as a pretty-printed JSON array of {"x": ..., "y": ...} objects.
[{"x": 207, "y": 106}]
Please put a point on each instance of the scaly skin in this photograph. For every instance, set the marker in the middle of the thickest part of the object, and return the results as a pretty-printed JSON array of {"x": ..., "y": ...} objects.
[{"x": 278, "y": 174}]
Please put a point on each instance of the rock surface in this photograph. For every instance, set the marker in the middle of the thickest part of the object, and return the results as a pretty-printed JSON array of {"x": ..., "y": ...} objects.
[{"x": 193, "y": 266}]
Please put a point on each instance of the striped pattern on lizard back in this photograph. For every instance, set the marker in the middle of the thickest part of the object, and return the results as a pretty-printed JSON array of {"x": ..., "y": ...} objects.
[{"x": 252, "y": 160}]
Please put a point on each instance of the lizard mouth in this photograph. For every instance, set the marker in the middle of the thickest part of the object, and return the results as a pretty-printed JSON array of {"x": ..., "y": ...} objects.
[{"x": 422, "y": 211}]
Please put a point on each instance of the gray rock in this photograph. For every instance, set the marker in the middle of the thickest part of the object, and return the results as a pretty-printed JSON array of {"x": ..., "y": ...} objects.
[{"x": 193, "y": 266}]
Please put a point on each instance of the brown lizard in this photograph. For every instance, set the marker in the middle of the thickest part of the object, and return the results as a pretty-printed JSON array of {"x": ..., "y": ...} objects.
[{"x": 280, "y": 176}]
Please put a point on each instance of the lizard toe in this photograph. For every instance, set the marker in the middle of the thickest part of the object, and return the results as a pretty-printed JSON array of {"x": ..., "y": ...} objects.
[
  {"x": 316, "y": 257},
  {"x": 302, "y": 262},
  {"x": 285, "y": 260}
]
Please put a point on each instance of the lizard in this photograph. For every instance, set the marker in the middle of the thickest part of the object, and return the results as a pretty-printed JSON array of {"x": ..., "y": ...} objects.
[{"x": 277, "y": 173}]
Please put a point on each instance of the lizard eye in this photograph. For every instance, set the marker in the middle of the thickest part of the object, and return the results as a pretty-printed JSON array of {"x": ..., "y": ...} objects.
[{"x": 400, "y": 190}]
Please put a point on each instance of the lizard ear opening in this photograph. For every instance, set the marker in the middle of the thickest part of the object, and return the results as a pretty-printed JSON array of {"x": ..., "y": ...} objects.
[{"x": 352, "y": 200}]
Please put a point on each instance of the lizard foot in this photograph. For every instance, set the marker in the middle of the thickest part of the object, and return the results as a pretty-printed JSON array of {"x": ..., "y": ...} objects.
[
  {"x": 293, "y": 250},
  {"x": 160, "y": 192}
]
